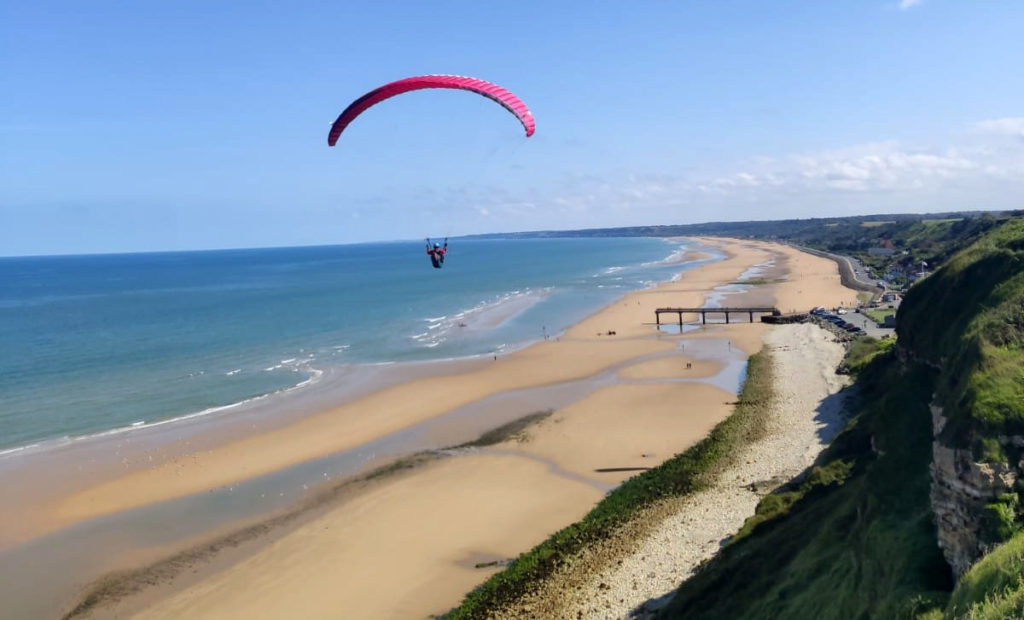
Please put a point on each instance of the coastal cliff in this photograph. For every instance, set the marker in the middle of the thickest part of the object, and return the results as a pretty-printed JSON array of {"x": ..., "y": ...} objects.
[
  {"x": 915, "y": 510},
  {"x": 912, "y": 511},
  {"x": 967, "y": 321},
  {"x": 974, "y": 502}
]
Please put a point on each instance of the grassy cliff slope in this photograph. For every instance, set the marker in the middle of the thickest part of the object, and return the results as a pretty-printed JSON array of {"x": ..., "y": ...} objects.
[
  {"x": 994, "y": 587},
  {"x": 968, "y": 319}
]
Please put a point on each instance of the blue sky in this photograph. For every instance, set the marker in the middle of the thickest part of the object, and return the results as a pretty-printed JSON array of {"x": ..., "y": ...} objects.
[{"x": 150, "y": 126}]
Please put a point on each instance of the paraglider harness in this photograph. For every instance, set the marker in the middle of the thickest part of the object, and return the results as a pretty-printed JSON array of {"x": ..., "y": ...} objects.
[{"x": 437, "y": 253}]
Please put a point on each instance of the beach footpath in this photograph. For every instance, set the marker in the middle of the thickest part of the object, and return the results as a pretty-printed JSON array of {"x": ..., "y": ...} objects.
[{"x": 609, "y": 398}]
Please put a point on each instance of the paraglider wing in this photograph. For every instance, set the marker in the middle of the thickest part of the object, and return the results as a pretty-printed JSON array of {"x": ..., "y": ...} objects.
[{"x": 492, "y": 91}]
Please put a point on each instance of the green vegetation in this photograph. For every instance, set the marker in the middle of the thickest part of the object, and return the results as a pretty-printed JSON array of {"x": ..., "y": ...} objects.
[
  {"x": 863, "y": 350},
  {"x": 878, "y": 314},
  {"x": 998, "y": 522},
  {"x": 968, "y": 319},
  {"x": 914, "y": 238},
  {"x": 855, "y": 537},
  {"x": 681, "y": 475},
  {"x": 833, "y": 233},
  {"x": 994, "y": 587}
]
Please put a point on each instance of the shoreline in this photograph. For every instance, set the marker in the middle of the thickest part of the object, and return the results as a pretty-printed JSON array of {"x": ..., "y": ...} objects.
[
  {"x": 485, "y": 316},
  {"x": 585, "y": 345},
  {"x": 397, "y": 406},
  {"x": 57, "y": 465},
  {"x": 303, "y": 582},
  {"x": 403, "y": 368}
]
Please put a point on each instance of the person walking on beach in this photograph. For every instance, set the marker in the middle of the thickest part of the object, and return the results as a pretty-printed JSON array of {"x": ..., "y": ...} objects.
[{"x": 437, "y": 253}]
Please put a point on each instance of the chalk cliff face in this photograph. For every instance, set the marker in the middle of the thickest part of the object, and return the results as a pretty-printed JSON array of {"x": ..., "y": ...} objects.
[{"x": 960, "y": 491}]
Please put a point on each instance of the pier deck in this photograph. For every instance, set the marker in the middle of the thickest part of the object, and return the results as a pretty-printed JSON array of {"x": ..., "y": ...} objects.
[{"x": 703, "y": 312}]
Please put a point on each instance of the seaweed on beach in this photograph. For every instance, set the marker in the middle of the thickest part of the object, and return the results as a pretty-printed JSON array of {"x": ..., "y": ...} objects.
[
  {"x": 513, "y": 430},
  {"x": 122, "y": 584}
]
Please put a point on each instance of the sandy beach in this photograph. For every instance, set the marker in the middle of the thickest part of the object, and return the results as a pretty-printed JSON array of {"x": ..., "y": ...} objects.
[
  {"x": 408, "y": 544},
  {"x": 635, "y": 573}
]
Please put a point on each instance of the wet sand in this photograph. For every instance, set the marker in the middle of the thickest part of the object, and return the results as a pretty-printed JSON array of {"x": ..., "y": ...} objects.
[
  {"x": 378, "y": 556},
  {"x": 411, "y": 538},
  {"x": 584, "y": 350}
]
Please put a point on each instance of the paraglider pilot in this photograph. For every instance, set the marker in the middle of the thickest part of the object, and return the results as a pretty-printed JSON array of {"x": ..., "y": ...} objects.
[{"x": 437, "y": 253}]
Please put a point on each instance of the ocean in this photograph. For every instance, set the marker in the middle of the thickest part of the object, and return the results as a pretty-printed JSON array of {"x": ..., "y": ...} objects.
[{"x": 92, "y": 344}]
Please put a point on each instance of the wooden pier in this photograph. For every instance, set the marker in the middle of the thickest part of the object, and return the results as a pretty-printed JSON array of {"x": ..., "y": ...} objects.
[{"x": 703, "y": 312}]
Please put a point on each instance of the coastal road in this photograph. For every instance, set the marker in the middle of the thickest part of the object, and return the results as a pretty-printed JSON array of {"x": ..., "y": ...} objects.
[{"x": 852, "y": 272}]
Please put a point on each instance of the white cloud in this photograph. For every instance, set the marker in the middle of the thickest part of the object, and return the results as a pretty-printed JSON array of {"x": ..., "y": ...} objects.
[
  {"x": 982, "y": 168},
  {"x": 1009, "y": 126},
  {"x": 986, "y": 172},
  {"x": 906, "y": 4}
]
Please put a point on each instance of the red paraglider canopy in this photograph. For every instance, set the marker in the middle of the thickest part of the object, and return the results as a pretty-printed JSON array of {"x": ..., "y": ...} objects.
[{"x": 492, "y": 91}]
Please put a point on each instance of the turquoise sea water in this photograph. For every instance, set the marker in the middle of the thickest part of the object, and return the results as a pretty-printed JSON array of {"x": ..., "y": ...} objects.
[{"x": 92, "y": 343}]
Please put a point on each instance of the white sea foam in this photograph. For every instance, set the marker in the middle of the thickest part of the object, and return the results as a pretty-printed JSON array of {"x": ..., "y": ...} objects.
[
  {"x": 755, "y": 271},
  {"x": 676, "y": 257},
  {"x": 17, "y": 449},
  {"x": 487, "y": 314},
  {"x": 315, "y": 374},
  {"x": 434, "y": 331}
]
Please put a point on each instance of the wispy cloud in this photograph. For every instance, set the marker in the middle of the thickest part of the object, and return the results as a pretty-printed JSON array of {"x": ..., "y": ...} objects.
[
  {"x": 1003, "y": 126},
  {"x": 982, "y": 168},
  {"x": 907, "y": 4},
  {"x": 979, "y": 167}
]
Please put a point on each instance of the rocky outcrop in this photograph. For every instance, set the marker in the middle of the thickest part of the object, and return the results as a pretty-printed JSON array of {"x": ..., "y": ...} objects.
[{"x": 960, "y": 492}]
